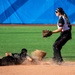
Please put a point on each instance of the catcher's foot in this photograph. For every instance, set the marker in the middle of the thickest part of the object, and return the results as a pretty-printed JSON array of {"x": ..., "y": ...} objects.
[{"x": 57, "y": 61}]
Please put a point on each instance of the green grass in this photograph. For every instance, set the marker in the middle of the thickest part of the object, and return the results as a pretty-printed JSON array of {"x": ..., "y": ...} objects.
[{"x": 14, "y": 38}]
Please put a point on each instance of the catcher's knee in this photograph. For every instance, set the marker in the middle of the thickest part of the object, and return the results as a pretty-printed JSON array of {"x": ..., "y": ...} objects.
[{"x": 55, "y": 47}]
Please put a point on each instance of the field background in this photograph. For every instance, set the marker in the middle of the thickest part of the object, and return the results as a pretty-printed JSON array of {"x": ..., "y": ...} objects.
[{"x": 14, "y": 38}]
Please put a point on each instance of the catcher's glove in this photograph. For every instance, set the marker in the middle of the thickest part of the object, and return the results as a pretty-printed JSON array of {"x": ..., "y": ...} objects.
[{"x": 46, "y": 33}]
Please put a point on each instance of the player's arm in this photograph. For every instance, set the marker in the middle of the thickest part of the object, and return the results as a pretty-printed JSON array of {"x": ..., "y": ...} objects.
[
  {"x": 57, "y": 30},
  {"x": 29, "y": 58}
]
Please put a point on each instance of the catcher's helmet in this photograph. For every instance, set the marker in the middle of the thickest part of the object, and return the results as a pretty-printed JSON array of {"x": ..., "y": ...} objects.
[
  {"x": 60, "y": 10},
  {"x": 24, "y": 50}
]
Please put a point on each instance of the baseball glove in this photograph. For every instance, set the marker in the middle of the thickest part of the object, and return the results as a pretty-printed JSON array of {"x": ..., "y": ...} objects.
[{"x": 46, "y": 33}]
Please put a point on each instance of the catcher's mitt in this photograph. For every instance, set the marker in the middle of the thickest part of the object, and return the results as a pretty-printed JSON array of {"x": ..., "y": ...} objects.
[{"x": 46, "y": 33}]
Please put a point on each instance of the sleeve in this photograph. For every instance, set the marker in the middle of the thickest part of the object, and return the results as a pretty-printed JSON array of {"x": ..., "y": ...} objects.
[
  {"x": 16, "y": 55},
  {"x": 61, "y": 22}
]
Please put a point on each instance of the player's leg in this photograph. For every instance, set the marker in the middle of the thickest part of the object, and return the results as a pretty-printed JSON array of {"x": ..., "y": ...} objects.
[{"x": 57, "y": 48}]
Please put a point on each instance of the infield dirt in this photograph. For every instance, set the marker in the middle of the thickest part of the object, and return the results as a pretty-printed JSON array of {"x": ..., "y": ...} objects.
[{"x": 39, "y": 68}]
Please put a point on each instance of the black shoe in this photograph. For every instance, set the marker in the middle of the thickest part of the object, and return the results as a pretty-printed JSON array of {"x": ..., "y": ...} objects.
[
  {"x": 60, "y": 61},
  {"x": 57, "y": 61}
]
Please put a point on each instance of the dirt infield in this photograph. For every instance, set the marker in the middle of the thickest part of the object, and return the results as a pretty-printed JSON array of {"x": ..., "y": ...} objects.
[{"x": 39, "y": 68}]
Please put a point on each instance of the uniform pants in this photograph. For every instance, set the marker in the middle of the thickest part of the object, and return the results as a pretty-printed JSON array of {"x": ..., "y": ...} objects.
[{"x": 59, "y": 43}]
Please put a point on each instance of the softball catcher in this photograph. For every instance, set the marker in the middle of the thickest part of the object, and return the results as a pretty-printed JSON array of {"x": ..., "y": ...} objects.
[{"x": 64, "y": 27}]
